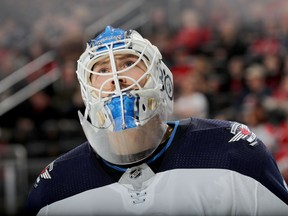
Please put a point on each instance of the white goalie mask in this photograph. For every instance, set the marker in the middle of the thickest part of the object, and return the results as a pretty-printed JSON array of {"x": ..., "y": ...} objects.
[{"x": 128, "y": 92}]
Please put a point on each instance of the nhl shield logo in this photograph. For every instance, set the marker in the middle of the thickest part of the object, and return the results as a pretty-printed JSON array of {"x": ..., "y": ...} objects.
[{"x": 241, "y": 131}]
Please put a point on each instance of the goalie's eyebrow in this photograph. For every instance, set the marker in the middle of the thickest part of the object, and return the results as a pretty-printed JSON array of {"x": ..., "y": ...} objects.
[{"x": 119, "y": 57}]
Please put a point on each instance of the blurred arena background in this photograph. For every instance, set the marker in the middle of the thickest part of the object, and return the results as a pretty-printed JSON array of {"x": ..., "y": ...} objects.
[{"x": 229, "y": 59}]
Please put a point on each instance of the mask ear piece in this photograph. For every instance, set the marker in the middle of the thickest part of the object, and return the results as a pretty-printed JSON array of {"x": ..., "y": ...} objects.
[{"x": 168, "y": 88}]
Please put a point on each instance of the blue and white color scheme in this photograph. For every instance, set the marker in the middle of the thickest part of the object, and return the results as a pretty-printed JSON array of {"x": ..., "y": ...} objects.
[
  {"x": 137, "y": 105},
  {"x": 198, "y": 171}
]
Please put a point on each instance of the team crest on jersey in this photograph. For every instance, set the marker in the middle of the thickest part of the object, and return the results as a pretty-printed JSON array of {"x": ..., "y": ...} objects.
[
  {"x": 241, "y": 131},
  {"x": 45, "y": 174}
]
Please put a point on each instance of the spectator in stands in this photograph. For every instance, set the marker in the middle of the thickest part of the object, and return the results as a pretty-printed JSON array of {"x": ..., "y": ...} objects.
[
  {"x": 192, "y": 34},
  {"x": 191, "y": 102},
  {"x": 255, "y": 80}
]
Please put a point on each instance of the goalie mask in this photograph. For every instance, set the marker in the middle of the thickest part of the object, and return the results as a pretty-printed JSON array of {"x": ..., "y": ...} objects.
[{"x": 128, "y": 92}]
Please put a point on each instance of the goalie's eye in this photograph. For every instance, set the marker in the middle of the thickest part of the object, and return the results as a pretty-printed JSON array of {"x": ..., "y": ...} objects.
[
  {"x": 102, "y": 70},
  {"x": 129, "y": 63},
  {"x": 102, "y": 67}
]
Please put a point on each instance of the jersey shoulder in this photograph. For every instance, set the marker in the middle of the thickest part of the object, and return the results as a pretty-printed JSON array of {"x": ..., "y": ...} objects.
[
  {"x": 208, "y": 143},
  {"x": 220, "y": 131},
  {"x": 74, "y": 172}
]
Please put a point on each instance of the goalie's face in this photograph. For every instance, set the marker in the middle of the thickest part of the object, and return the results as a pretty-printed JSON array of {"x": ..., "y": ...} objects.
[{"x": 132, "y": 75}]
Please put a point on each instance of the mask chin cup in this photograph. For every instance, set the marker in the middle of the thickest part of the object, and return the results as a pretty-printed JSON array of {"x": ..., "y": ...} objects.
[{"x": 125, "y": 146}]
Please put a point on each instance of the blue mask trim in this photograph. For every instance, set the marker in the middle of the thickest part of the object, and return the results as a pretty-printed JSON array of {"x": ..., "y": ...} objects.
[
  {"x": 156, "y": 156},
  {"x": 130, "y": 114},
  {"x": 167, "y": 145},
  {"x": 108, "y": 36}
]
